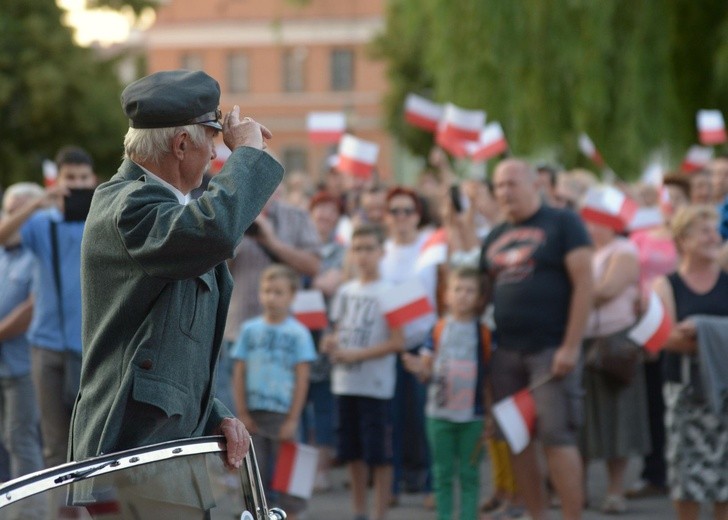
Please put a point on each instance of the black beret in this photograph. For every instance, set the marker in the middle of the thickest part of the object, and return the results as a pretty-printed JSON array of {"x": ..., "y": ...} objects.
[{"x": 172, "y": 98}]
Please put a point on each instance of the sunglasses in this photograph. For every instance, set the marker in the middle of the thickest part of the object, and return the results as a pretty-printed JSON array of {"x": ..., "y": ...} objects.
[{"x": 407, "y": 212}]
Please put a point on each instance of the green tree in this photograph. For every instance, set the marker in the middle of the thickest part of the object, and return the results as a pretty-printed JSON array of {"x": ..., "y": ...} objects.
[
  {"x": 52, "y": 93},
  {"x": 630, "y": 73}
]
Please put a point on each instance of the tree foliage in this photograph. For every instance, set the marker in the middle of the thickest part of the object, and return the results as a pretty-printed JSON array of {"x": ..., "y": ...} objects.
[
  {"x": 630, "y": 73},
  {"x": 52, "y": 93}
]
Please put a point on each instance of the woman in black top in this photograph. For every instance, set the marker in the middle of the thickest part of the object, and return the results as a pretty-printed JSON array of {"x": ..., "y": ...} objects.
[{"x": 697, "y": 437}]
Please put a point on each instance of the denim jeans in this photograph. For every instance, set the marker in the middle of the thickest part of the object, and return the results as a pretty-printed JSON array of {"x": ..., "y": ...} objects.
[{"x": 19, "y": 420}]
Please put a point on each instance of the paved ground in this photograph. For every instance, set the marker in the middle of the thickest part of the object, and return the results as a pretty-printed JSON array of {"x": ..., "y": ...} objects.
[{"x": 334, "y": 505}]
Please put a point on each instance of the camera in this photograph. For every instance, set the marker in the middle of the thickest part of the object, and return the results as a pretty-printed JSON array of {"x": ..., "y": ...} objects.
[{"x": 456, "y": 198}]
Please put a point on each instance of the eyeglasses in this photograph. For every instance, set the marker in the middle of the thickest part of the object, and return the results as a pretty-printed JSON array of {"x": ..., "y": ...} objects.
[
  {"x": 401, "y": 211},
  {"x": 364, "y": 249}
]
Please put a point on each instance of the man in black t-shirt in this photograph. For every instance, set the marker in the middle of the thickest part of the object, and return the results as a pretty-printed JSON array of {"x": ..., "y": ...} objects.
[{"x": 539, "y": 263}]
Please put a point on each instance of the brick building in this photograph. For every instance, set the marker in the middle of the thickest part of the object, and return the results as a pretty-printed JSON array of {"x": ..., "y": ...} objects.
[{"x": 279, "y": 60}]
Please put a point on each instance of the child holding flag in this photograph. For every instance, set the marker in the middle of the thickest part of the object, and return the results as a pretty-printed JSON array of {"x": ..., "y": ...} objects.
[
  {"x": 270, "y": 378},
  {"x": 362, "y": 350},
  {"x": 454, "y": 360}
]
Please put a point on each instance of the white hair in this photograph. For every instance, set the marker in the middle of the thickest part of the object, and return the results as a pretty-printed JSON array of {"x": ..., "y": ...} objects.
[
  {"x": 151, "y": 144},
  {"x": 22, "y": 190}
]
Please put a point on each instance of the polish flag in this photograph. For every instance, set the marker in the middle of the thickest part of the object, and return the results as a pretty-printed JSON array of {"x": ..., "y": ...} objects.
[
  {"x": 325, "y": 127},
  {"x": 608, "y": 206},
  {"x": 433, "y": 251},
  {"x": 357, "y": 157},
  {"x": 696, "y": 158},
  {"x": 646, "y": 218},
  {"x": 422, "y": 112},
  {"x": 711, "y": 127},
  {"x": 587, "y": 147},
  {"x": 405, "y": 302},
  {"x": 295, "y": 469},
  {"x": 653, "y": 328},
  {"x": 50, "y": 173},
  {"x": 516, "y": 417},
  {"x": 492, "y": 142},
  {"x": 222, "y": 154},
  {"x": 309, "y": 308},
  {"x": 456, "y": 147},
  {"x": 653, "y": 175},
  {"x": 459, "y": 124}
]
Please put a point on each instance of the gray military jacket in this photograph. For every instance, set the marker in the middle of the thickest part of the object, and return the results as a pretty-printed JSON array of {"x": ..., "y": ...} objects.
[{"x": 155, "y": 290}]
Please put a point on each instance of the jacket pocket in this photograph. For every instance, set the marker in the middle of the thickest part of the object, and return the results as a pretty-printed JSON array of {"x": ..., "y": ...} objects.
[
  {"x": 198, "y": 306},
  {"x": 162, "y": 394}
]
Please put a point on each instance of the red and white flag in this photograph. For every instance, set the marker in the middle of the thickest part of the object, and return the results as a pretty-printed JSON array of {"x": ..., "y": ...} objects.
[
  {"x": 459, "y": 124},
  {"x": 295, "y": 470},
  {"x": 516, "y": 418},
  {"x": 646, "y": 218},
  {"x": 222, "y": 154},
  {"x": 405, "y": 302},
  {"x": 455, "y": 147},
  {"x": 309, "y": 308},
  {"x": 433, "y": 251},
  {"x": 711, "y": 127},
  {"x": 50, "y": 173},
  {"x": 357, "y": 157},
  {"x": 325, "y": 127},
  {"x": 607, "y": 206},
  {"x": 653, "y": 328},
  {"x": 422, "y": 112},
  {"x": 696, "y": 158},
  {"x": 492, "y": 142},
  {"x": 587, "y": 147}
]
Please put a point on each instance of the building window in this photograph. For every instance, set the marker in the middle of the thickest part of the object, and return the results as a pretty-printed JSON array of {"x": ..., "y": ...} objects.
[
  {"x": 295, "y": 159},
  {"x": 342, "y": 69},
  {"x": 238, "y": 73},
  {"x": 191, "y": 61},
  {"x": 294, "y": 69}
]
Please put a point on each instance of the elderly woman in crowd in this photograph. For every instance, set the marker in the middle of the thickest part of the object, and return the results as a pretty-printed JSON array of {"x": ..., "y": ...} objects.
[
  {"x": 615, "y": 425},
  {"x": 697, "y": 429}
]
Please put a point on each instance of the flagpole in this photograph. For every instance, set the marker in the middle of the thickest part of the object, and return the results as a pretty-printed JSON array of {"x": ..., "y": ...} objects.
[{"x": 540, "y": 382}]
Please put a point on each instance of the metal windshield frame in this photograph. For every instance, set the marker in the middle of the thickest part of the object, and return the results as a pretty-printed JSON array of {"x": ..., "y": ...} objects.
[{"x": 65, "y": 474}]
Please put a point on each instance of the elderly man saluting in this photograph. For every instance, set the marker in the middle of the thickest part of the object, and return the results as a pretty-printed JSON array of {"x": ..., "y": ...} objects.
[{"x": 154, "y": 281}]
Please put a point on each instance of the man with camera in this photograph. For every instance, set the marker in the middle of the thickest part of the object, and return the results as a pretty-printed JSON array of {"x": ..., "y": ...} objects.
[{"x": 51, "y": 227}]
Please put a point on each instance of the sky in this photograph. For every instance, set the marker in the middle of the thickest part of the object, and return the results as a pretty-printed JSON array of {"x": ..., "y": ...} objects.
[{"x": 103, "y": 25}]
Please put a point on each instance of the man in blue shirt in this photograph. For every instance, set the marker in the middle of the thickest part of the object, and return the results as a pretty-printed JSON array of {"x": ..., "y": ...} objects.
[
  {"x": 55, "y": 331},
  {"x": 18, "y": 409}
]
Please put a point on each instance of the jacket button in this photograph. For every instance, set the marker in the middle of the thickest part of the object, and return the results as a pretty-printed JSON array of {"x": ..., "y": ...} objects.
[{"x": 146, "y": 364}]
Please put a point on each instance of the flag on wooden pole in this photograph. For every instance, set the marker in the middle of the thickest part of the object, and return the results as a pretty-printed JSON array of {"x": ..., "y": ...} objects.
[
  {"x": 516, "y": 418},
  {"x": 405, "y": 302},
  {"x": 711, "y": 127},
  {"x": 433, "y": 251},
  {"x": 422, "y": 113},
  {"x": 295, "y": 470},
  {"x": 696, "y": 158},
  {"x": 309, "y": 308},
  {"x": 653, "y": 328},
  {"x": 357, "y": 157},
  {"x": 587, "y": 147},
  {"x": 50, "y": 173},
  {"x": 492, "y": 142},
  {"x": 325, "y": 127}
]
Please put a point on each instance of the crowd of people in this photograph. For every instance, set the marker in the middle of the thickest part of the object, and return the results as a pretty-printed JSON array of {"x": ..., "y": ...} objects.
[{"x": 530, "y": 283}]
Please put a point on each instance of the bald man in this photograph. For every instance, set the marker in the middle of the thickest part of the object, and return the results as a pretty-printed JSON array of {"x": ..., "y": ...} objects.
[{"x": 539, "y": 263}]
